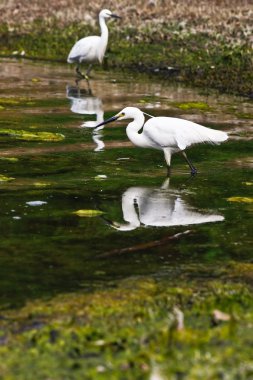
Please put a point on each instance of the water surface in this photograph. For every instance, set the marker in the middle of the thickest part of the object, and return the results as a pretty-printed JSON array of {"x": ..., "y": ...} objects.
[{"x": 47, "y": 249}]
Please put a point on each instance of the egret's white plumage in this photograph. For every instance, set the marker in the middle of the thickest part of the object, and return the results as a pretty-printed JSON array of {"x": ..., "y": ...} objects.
[
  {"x": 91, "y": 49},
  {"x": 168, "y": 134}
]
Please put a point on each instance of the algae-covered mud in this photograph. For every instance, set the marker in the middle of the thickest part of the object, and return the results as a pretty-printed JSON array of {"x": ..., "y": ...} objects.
[{"x": 108, "y": 269}]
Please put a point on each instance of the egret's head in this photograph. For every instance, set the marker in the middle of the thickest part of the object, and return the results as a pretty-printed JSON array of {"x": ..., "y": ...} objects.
[
  {"x": 105, "y": 13},
  {"x": 126, "y": 113}
]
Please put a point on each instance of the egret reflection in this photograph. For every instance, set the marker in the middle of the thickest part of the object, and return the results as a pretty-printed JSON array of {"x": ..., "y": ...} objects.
[
  {"x": 159, "y": 207},
  {"x": 85, "y": 103}
]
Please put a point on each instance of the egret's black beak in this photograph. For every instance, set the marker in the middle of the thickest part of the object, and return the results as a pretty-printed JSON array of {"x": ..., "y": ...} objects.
[
  {"x": 108, "y": 120},
  {"x": 115, "y": 16}
]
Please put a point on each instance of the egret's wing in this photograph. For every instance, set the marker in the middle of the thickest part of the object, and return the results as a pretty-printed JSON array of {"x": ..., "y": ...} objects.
[
  {"x": 83, "y": 48},
  {"x": 160, "y": 132},
  {"x": 174, "y": 132}
]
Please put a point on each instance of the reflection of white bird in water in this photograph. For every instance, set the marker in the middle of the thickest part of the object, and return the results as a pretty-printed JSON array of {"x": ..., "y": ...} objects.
[
  {"x": 166, "y": 133},
  {"x": 149, "y": 206},
  {"x": 84, "y": 104},
  {"x": 91, "y": 49}
]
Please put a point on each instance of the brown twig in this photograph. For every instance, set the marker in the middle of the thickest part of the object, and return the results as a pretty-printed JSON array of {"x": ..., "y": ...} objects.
[{"x": 142, "y": 246}]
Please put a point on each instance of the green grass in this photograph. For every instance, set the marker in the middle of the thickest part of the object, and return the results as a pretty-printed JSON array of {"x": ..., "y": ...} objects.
[{"x": 130, "y": 331}]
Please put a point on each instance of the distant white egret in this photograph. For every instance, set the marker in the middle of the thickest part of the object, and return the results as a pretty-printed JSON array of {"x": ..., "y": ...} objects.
[
  {"x": 91, "y": 49},
  {"x": 169, "y": 134}
]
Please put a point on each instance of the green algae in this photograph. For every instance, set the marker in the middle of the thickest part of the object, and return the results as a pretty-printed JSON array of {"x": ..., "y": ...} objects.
[
  {"x": 32, "y": 136},
  {"x": 9, "y": 159},
  {"x": 193, "y": 105}
]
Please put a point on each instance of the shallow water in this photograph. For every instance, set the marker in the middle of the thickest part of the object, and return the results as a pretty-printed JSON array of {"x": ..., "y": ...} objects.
[{"x": 47, "y": 249}]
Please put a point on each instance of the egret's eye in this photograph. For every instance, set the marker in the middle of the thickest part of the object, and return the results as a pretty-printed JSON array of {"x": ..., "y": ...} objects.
[{"x": 122, "y": 114}]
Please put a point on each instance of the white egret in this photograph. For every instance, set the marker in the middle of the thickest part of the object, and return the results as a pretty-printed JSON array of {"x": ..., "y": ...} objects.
[
  {"x": 169, "y": 134},
  {"x": 91, "y": 49}
]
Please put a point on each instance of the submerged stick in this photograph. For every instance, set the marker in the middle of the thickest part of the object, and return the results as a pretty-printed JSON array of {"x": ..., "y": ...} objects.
[{"x": 142, "y": 246}]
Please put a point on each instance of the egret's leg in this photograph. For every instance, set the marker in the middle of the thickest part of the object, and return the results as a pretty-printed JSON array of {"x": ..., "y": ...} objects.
[
  {"x": 79, "y": 73},
  {"x": 193, "y": 169},
  {"x": 89, "y": 89},
  {"x": 167, "y": 156},
  {"x": 88, "y": 72}
]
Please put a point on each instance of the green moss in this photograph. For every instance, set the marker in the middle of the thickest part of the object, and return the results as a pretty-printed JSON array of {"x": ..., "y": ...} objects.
[{"x": 32, "y": 136}]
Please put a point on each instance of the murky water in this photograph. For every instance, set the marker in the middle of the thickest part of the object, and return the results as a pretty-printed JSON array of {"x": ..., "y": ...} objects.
[{"x": 46, "y": 248}]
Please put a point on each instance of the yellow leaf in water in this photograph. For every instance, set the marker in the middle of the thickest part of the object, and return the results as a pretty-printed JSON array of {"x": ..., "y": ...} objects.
[
  {"x": 240, "y": 199},
  {"x": 248, "y": 183},
  {"x": 88, "y": 213}
]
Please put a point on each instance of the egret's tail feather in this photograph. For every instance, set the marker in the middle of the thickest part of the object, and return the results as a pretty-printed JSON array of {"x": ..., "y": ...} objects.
[{"x": 218, "y": 136}]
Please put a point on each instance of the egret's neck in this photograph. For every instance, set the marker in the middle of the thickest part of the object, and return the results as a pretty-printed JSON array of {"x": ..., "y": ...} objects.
[
  {"x": 129, "y": 212},
  {"x": 133, "y": 129},
  {"x": 104, "y": 38}
]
